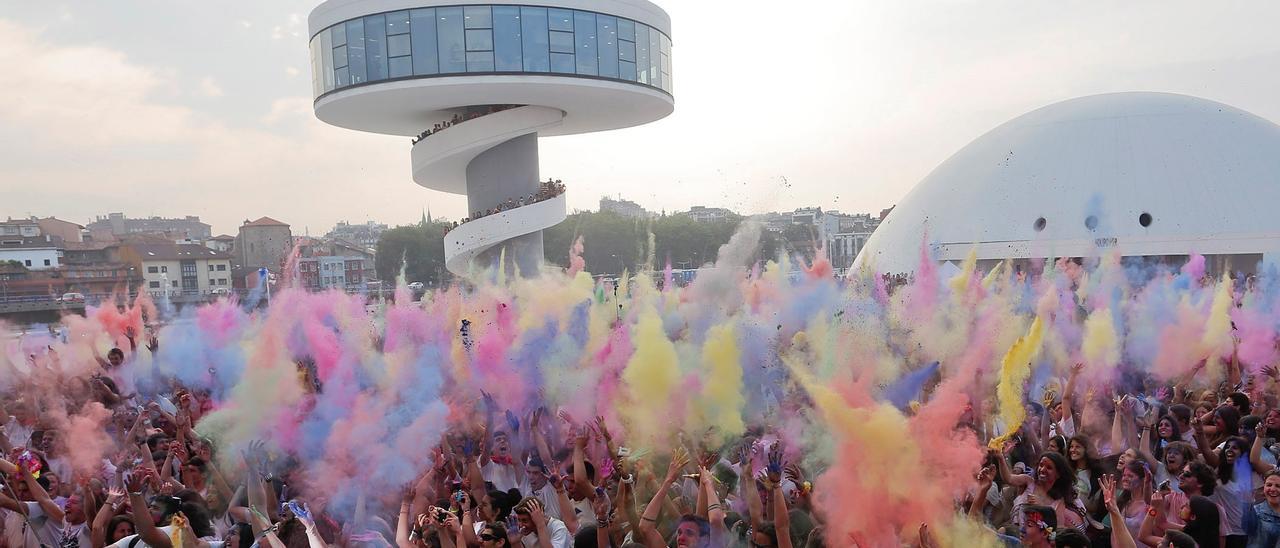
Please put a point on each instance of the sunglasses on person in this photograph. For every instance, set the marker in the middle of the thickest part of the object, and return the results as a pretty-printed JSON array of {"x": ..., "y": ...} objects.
[{"x": 487, "y": 536}]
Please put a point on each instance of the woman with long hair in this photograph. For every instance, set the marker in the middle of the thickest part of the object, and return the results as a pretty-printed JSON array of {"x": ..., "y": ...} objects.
[
  {"x": 1165, "y": 432},
  {"x": 1053, "y": 485},
  {"x": 1134, "y": 496},
  {"x": 1202, "y": 525},
  {"x": 1234, "y": 472},
  {"x": 1177, "y": 456},
  {"x": 1087, "y": 469}
]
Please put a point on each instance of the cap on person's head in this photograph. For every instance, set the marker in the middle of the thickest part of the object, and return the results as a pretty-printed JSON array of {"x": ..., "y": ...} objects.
[{"x": 1043, "y": 517}]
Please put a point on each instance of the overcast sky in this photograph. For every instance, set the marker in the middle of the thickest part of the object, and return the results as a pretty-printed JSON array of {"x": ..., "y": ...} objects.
[{"x": 177, "y": 107}]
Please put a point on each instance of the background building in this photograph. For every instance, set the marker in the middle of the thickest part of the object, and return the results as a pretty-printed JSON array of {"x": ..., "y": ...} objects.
[
  {"x": 264, "y": 243},
  {"x": 626, "y": 208},
  {"x": 221, "y": 242},
  {"x": 119, "y": 225},
  {"x": 366, "y": 234},
  {"x": 32, "y": 252},
  {"x": 708, "y": 214},
  {"x": 1156, "y": 176},
  {"x": 328, "y": 264},
  {"x": 179, "y": 269},
  {"x": 478, "y": 84}
]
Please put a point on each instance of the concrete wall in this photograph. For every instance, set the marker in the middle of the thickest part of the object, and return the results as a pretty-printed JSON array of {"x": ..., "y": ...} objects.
[{"x": 32, "y": 258}]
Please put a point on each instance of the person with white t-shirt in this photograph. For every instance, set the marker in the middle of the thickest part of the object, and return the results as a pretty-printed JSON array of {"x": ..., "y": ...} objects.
[
  {"x": 1059, "y": 419},
  {"x": 32, "y": 518},
  {"x": 76, "y": 531},
  {"x": 539, "y": 529}
]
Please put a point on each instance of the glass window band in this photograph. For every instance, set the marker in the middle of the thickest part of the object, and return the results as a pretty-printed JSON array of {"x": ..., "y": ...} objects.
[{"x": 488, "y": 39}]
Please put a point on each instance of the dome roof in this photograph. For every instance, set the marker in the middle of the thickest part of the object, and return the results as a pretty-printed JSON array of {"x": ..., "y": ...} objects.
[{"x": 1148, "y": 173}]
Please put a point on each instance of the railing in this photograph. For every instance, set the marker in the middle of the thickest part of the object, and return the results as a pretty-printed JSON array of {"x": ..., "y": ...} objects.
[
  {"x": 547, "y": 191},
  {"x": 460, "y": 118}
]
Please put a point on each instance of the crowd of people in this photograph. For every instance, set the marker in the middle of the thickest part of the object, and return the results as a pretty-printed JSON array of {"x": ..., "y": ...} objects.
[
  {"x": 546, "y": 190},
  {"x": 471, "y": 114},
  {"x": 298, "y": 426}
]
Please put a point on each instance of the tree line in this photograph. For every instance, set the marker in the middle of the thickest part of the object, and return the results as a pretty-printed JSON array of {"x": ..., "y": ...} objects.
[{"x": 612, "y": 243}]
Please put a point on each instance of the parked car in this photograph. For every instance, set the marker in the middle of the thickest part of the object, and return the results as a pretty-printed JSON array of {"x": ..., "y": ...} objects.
[
  {"x": 416, "y": 286},
  {"x": 71, "y": 298},
  {"x": 221, "y": 291}
]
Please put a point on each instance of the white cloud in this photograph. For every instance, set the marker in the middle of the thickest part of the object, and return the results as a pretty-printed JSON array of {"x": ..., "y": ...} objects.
[
  {"x": 94, "y": 138},
  {"x": 210, "y": 88}
]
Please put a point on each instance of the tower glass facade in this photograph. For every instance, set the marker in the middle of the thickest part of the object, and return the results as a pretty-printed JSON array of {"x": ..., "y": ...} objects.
[{"x": 484, "y": 39}]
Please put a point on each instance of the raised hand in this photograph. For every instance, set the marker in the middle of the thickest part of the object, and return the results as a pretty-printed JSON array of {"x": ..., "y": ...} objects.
[
  {"x": 513, "y": 422},
  {"x": 775, "y": 462},
  {"x": 926, "y": 537},
  {"x": 601, "y": 506},
  {"x": 1077, "y": 368},
  {"x": 679, "y": 458},
  {"x": 490, "y": 406},
  {"x": 794, "y": 473},
  {"x": 536, "y": 513},
  {"x": 709, "y": 459},
  {"x": 137, "y": 480},
  {"x": 986, "y": 477},
  {"x": 1270, "y": 371},
  {"x": 1108, "y": 483},
  {"x": 205, "y": 451},
  {"x": 604, "y": 430}
]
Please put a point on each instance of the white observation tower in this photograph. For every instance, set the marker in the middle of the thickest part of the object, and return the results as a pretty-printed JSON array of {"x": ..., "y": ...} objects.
[{"x": 476, "y": 84}]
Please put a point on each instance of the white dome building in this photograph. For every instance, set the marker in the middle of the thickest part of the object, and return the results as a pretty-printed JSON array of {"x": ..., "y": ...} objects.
[{"x": 1156, "y": 175}]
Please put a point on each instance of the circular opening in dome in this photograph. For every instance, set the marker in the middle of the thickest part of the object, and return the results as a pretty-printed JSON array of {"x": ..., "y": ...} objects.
[
  {"x": 1040, "y": 224},
  {"x": 1091, "y": 222},
  {"x": 1144, "y": 219}
]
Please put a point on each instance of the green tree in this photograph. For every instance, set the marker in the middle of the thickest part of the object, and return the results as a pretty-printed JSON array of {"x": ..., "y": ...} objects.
[
  {"x": 614, "y": 242},
  {"x": 418, "y": 248}
]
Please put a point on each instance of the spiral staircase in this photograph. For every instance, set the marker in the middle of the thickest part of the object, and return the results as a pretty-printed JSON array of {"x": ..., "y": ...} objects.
[{"x": 447, "y": 161}]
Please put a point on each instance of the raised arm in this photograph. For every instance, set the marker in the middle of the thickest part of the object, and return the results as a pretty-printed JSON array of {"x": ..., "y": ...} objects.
[
  {"x": 567, "y": 513},
  {"x": 985, "y": 479},
  {"x": 1068, "y": 393},
  {"x": 781, "y": 517},
  {"x": 486, "y": 442},
  {"x": 1210, "y": 456},
  {"x": 1153, "y": 525},
  {"x": 626, "y": 500},
  {"x": 648, "y": 527},
  {"x": 581, "y": 483},
  {"x": 1255, "y": 452},
  {"x": 1144, "y": 443},
  {"x": 1120, "y": 537},
  {"x": 1007, "y": 475},
  {"x": 309, "y": 524},
  {"x": 747, "y": 487},
  {"x": 715, "y": 512},
  {"x": 539, "y": 440},
  {"x": 142, "y": 523},
  {"x": 98, "y": 531},
  {"x": 41, "y": 497},
  {"x": 402, "y": 522}
]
